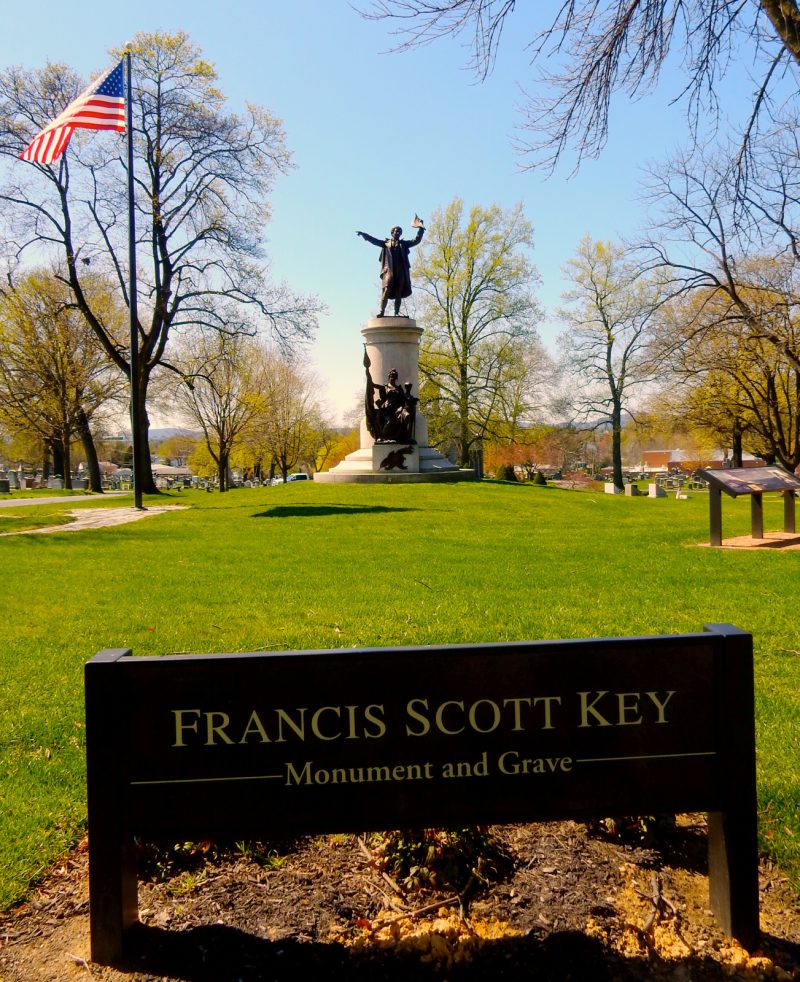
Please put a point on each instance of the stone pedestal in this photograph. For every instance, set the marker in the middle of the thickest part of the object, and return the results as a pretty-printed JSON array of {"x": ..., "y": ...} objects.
[{"x": 393, "y": 343}]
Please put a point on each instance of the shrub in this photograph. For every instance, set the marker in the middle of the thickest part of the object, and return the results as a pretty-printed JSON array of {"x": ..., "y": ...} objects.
[
  {"x": 539, "y": 478},
  {"x": 440, "y": 860},
  {"x": 505, "y": 472}
]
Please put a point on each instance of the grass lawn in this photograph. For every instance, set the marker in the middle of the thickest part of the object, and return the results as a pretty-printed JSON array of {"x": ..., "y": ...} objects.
[{"x": 303, "y": 566}]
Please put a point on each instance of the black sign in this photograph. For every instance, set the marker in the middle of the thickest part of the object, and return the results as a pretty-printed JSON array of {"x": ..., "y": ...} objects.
[{"x": 306, "y": 742}]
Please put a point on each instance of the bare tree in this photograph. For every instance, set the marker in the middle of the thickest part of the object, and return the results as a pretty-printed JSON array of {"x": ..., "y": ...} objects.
[
  {"x": 591, "y": 50},
  {"x": 291, "y": 414},
  {"x": 203, "y": 176},
  {"x": 725, "y": 377},
  {"x": 221, "y": 390},
  {"x": 740, "y": 254},
  {"x": 610, "y": 311}
]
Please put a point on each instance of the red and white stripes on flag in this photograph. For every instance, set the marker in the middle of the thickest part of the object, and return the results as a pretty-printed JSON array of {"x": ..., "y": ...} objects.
[{"x": 100, "y": 107}]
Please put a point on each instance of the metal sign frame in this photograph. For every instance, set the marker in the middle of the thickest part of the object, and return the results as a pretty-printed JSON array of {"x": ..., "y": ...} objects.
[{"x": 754, "y": 481}]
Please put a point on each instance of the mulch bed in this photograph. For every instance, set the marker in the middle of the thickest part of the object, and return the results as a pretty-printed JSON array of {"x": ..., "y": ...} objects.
[{"x": 574, "y": 904}]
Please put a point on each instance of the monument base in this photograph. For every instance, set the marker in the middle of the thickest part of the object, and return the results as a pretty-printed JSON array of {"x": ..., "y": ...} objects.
[
  {"x": 394, "y": 463},
  {"x": 392, "y": 344}
]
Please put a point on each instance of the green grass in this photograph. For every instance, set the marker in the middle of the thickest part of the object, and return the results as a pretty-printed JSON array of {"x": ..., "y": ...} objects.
[{"x": 324, "y": 566}]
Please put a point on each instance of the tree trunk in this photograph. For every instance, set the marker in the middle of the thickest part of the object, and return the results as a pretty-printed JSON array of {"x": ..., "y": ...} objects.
[
  {"x": 616, "y": 446},
  {"x": 736, "y": 444},
  {"x": 222, "y": 471},
  {"x": 57, "y": 454},
  {"x": 66, "y": 460},
  {"x": 145, "y": 464},
  {"x": 476, "y": 458},
  {"x": 785, "y": 18},
  {"x": 92, "y": 463},
  {"x": 463, "y": 419}
]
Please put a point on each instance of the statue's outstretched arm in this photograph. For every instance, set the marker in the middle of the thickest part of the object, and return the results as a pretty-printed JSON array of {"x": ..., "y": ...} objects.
[{"x": 372, "y": 239}]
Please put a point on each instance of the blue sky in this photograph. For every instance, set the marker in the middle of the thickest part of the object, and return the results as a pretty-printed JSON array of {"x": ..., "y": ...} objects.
[{"x": 376, "y": 137}]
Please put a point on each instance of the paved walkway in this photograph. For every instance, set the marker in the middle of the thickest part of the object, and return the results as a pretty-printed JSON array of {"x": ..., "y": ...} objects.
[
  {"x": 87, "y": 518},
  {"x": 9, "y": 501}
]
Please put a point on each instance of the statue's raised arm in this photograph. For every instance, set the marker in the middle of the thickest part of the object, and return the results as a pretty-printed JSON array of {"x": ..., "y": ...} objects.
[{"x": 395, "y": 264}]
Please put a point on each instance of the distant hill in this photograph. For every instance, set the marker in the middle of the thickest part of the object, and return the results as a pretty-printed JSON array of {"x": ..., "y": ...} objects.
[{"x": 157, "y": 434}]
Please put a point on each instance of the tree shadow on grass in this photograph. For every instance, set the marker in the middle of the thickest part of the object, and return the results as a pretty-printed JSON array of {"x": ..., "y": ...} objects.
[{"x": 315, "y": 511}]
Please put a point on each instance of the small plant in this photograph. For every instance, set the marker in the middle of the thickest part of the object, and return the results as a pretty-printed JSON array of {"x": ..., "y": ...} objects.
[
  {"x": 160, "y": 863},
  {"x": 274, "y": 861},
  {"x": 539, "y": 479},
  {"x": 647, "y": 830},
  {"x": 440, "y": 860},
  {"x": 186, "y": 883},
  {"x": 263, "y": 855}
]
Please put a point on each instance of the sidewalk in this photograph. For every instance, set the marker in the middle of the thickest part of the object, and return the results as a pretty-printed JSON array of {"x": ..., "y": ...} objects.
[
  {"x": 11, "y": 502},
  {"x": 89, "y": 516}
]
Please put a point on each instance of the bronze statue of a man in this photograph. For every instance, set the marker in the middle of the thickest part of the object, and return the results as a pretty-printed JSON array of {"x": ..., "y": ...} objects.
[{"x": 395, "y": 264}]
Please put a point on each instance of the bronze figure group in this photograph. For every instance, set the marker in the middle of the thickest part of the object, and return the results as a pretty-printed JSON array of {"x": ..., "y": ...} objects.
[{"x": 390, "y": 409}]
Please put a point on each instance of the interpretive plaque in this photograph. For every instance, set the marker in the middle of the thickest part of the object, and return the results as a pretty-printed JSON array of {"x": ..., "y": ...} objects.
[{"x": 753, "y": 481}]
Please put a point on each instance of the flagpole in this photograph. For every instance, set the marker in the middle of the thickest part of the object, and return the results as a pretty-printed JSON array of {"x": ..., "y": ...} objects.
[{"x": 138, "y": 477}]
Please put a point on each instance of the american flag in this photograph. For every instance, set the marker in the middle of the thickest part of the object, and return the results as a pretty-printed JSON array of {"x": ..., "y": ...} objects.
[{"x": 100, "y": 107}]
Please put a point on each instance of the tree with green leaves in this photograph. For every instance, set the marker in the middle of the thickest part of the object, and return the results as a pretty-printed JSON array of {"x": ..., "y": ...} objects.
[
  {"x": 474, "y": 295},
  {"x": 726, "y": 375},
  {"x": 203, "y": 176},
  {"x": 605, "y": 350},
  {"x": 54, "y": 379}
]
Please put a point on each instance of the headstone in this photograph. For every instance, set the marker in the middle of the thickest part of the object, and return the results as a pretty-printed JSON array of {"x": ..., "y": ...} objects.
[
  {"x": 632, "y": 490},
  {"x": 655, "y": 491},
  {"x": 611, "y": 488}
]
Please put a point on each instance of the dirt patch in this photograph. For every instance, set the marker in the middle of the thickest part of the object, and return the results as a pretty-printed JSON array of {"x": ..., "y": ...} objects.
[
  {"x": 576, "y": 905},
  {"x": 771, "y": 540}
]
